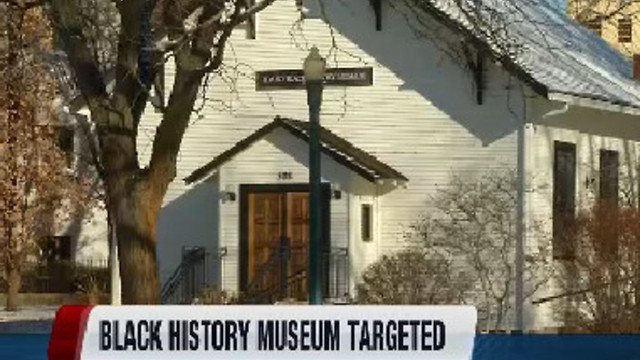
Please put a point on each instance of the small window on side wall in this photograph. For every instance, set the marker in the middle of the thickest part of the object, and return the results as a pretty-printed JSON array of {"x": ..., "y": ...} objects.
[{"x": 366, "y": 222}]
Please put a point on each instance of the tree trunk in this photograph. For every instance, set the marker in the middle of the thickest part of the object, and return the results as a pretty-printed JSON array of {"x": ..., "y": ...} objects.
[
  {"x": 13, "y": 288},
  {"x": 11, "y": 197},
  {"x": 135, "y": 232}
]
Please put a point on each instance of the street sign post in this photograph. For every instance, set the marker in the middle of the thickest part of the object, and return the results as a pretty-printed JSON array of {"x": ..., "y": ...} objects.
[{"x": 314, "y": 77}]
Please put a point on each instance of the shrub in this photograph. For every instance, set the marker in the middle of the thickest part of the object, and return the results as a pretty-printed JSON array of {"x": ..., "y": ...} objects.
[
  {"x": 410, "y": 276},
  {"x": 93, "y": 282},
  {"x": 214, "y": 296}
]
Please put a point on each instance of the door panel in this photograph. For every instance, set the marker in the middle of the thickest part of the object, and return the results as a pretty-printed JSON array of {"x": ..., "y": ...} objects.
[
  {"x": 265, "y": 228},
  {"x": 269, "y": 214},
  {"x": 298, "y": 236}
]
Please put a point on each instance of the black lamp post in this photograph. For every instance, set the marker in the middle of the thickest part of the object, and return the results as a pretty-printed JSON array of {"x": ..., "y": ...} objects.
[{"x": 314, "y": 67}]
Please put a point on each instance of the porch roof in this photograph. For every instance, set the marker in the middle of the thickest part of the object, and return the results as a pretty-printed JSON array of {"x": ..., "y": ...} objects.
[{"x": 337, "y": 148}]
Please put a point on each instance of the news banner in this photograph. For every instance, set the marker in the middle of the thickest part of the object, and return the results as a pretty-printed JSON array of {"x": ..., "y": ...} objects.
[{"x": 264, "y": 332}]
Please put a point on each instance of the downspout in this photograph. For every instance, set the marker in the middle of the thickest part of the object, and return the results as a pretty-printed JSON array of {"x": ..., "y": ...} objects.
[
  {"x": 350, "y": 238},
  {"x": 524, "y": 151},
  {"x": 520, "y": 241}
]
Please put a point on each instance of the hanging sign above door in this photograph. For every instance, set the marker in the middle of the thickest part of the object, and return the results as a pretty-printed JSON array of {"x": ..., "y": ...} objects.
[{"x": 294, "y": 78}]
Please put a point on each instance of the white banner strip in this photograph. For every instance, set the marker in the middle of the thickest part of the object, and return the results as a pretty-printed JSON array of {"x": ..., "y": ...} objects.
[{"x": 274, "y": 332}]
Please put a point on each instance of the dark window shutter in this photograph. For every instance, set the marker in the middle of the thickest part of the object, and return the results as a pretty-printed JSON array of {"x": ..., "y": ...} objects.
[
  {"x": 609, "y": 176},
  {"x": 564, "y": 199}
]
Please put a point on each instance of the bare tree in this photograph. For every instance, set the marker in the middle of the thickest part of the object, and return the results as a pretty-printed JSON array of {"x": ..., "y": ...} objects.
[
  {"x": 37, "y": 189},
  {"x": 193, "y": 33},
  {"x": 474, "y": 222}
]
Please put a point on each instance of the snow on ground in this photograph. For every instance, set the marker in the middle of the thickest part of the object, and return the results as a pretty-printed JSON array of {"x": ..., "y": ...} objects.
[
  {"x": 29, "y": 313},
  {"x": 29, "y": 319}
]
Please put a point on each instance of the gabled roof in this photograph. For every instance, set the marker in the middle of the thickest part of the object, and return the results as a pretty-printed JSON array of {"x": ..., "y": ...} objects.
[
  {"x": 552, "y": 53},
  {"x": 337, "y": 148}
]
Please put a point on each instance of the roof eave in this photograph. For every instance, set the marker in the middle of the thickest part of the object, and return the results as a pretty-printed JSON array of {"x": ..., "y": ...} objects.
[
  {"x": 339, "y": 159},
  {"x": 366, "y": 173},
  {"x": 590, "y": 101},
  {"x": 507, "y": 62}
]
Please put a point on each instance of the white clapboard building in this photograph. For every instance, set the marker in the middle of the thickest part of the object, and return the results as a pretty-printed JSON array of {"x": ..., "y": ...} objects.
[{"x": 562, "y": 106}]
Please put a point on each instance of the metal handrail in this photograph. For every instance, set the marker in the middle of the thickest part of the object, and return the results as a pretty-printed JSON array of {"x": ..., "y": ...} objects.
[
  {"x": 177, "y": 278},
  {"x": 272, "y": 260},
  {"x": 253, "y": 295}
]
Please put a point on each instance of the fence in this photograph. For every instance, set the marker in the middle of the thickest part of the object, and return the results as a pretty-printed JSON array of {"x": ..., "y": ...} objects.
[
  {"x": 278, "y": 278},
  {"x": 62, "y": 276}
]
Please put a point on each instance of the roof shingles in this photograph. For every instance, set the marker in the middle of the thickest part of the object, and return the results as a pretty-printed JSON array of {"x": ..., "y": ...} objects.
[{"x": 553, "y": 50}]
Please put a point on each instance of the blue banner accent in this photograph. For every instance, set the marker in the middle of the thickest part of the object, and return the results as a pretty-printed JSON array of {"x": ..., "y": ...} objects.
[
  {"x": 24, "y": 346},
  {"x": 556, "y": 347},
  {"x": 487, "y": 347}
]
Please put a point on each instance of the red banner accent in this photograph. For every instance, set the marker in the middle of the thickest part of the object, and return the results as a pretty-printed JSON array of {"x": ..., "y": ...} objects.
[{"x": 68, "y": 330}]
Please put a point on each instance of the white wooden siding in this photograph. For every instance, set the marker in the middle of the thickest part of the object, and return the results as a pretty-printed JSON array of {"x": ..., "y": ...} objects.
[
  {"x": 540, "y": 176},
  {"x": 420, "y": 116}
]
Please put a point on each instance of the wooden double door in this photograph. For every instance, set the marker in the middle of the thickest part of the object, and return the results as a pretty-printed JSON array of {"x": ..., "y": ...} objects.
[{"x": 276, "y": 241}]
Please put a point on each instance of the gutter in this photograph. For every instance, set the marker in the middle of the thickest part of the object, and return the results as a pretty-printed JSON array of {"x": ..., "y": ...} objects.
[
  {"x": 557, "y": 112},
  {"x": 594, "y": 102}
]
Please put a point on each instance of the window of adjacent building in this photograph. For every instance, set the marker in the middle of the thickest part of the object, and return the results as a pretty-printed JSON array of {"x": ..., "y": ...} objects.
[
  {"x": 625, "y": 33},
  {"x": 594, "y": 24},
  {"x": 366, "y": 222},
  {"x": 609, "y": 176},
  {"x": 65, "y": 141},
  {"x": 56, "y": 249},
  {"x": 564, "y": 199}
]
